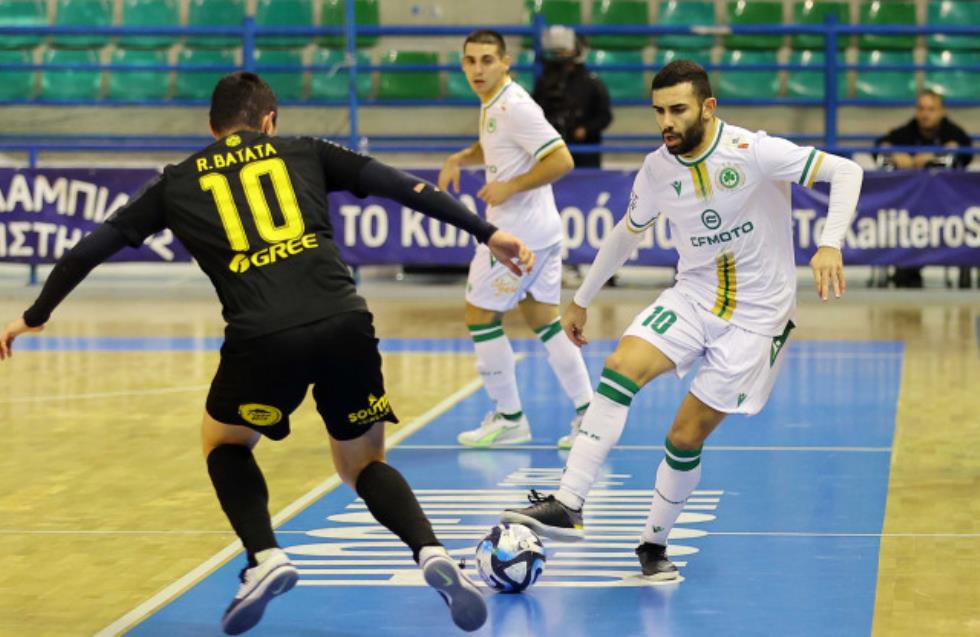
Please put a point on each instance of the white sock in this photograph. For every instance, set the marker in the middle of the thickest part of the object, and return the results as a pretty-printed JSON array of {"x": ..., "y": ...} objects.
[
  {"x": 601, "y": 428},
  {"x": 262, "y": 556},
  {"x": 428, "y": 552},
  {"x": 567, "y": 362},
  {"x": 495, "y": 362},
  {"x": 677, "y": 476}
]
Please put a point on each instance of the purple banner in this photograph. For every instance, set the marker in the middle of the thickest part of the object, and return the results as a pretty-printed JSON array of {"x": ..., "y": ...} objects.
[{"x": 904, "y": 218}]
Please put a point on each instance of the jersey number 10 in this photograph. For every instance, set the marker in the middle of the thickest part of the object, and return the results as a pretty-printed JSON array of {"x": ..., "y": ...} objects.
[{"x": 292, "y": 226}]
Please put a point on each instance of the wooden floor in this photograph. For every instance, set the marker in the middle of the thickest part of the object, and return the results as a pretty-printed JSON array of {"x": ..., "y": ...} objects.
[{"x": 106, "y": 499}]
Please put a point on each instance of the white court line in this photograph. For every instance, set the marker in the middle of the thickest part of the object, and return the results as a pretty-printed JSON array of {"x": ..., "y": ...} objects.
[
  {"x": 831, "y": 534},
  {"x": 660, "y": 448},
  {"x": 135, "y": 616},
  {"x": 104, "y": 394}
]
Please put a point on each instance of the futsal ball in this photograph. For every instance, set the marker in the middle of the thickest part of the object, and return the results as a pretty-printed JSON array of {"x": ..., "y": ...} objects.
[{"x": 510, "y": 558}]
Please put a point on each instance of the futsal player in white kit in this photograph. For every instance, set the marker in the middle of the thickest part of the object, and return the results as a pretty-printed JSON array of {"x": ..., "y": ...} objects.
[
  {"x": 523, "y": 154},
  {"x": 725, "y": 191}
]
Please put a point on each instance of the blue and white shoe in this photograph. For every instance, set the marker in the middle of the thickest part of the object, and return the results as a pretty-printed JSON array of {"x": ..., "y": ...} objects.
[
  {"x": 466, "y": 603},
  {"x": 272, "y": 577}
]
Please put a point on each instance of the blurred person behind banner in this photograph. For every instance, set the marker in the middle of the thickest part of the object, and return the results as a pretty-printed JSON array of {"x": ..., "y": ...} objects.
[
  {"x": 929, "y": 127},
  {"x": 574, "y": 100}
]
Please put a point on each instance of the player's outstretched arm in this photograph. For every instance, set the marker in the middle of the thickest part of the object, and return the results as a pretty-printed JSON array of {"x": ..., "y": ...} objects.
[
  {"x": 377, "y": 178},
  {"x": 67, "y": 273},
  {"x": 845, "y": 178}
]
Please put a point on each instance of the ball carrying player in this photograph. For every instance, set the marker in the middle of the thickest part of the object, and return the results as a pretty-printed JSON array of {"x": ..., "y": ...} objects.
[
  {"x": 252, "y": 210},
  {"x": 726, "y": 193},
  {"x": 523, "y": 155}
]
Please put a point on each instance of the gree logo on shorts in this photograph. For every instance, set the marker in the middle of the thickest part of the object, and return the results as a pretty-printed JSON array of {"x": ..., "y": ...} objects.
[
  {"x": 259, "y": 415},
  {"x": 276, "y": 252},
  {"x": 377, "y": 407}
]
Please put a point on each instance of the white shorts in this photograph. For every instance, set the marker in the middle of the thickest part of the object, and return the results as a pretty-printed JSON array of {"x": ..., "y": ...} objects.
[
  {"x": 491, "y": 286},
  {"x": 738, "y": 367}
]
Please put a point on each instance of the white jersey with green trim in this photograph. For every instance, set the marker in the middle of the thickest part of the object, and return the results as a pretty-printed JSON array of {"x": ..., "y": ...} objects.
[
  {"x": 514, "y": 136},
  {"x": 730, "y": 216}
]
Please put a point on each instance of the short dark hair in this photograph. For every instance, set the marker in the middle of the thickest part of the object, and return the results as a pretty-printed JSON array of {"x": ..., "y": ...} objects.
[
  {"x": 487, "y": 36},
  {"x": 681, "y": 71},
  {"x": 241, "y": 99},
  {"x": 928, "y": 92}
]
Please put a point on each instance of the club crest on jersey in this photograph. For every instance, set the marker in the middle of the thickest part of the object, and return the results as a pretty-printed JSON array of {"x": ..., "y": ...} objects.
[
  {"x": 233, "y": 140},
  {"x": 492, "y": 125},
  {"x": 730, "y": 177}
]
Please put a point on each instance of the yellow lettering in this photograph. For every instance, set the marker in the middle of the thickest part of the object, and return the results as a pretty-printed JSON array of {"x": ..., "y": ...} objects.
[
  {"x": 202, "y": 164},
  {"x": 270, "y": 150},
  {"x": 278, "y": 251},
  {"x": 249, "y": 155},
  {"x": 295, "y": 246},
  {"x": 261, "y": 258},
  {"x": 309, "y": 241},
  {"x": 218, "y": 160},
  {"x": 230, "y": 159}
]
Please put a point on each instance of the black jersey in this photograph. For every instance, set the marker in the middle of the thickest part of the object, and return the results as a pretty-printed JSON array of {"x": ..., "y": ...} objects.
[{"x": 252, "y": 210}]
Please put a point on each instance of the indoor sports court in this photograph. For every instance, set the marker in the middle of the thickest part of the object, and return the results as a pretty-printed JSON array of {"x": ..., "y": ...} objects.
[{"x": 846, "y": 507}]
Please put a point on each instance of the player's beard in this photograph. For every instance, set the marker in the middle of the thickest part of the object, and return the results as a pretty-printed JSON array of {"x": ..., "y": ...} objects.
[{"x": 689, "y": 139}]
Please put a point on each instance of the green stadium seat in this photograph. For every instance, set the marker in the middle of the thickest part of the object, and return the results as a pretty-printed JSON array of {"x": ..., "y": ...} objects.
[
  {"x": 816, "y": 12},
  {"x": 16, "y": 85},
  {"x": 622, "y": 85},
  {"x": 283, "y": 13},
  {"x": 287, "y": 85},
  {"x": 748, "y": 84},
  {"x": 554, "y": 11},
  {"x": 524, "y": 78},
  {"x": 366, "y": 13},
  {"x": 22, "y": 13},
  {"x": 810, "y": 84},
  {"x": 138, "y": 85},
  {"x": 409, "y": 85},
  {"x": 457, "y": 87},
  {"x": 199, "y": 85},
  {"x": 208, "y": 13},
  {"x": 333, "y": 85},
  {"x": 82, "y": 13},
  {"x": 686, "y": 12},
  {"x": 619, "y": 12},
  {"x": 954, "y": 84},
  {"x": 885, "y": 84},
  {"x": 71, "y": 85},
  {"x": 755, "y": 12},
  {"x": 890, "y": 12},
  {"x": 149, "y": 13},
  {"x": 953, "y": 13},
  {"x": 663, "y": 57}
]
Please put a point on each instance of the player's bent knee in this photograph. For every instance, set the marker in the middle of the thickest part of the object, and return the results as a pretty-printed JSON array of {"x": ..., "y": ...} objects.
[{"x": 687, "y": 438}]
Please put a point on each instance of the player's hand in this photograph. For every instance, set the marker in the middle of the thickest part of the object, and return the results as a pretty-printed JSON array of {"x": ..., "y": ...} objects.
[
  {"x": 573, "y": 322},
  {"x": 449, "y": 175},
  {"x": 14, "y": 329},
  {"x": 828, "y": 271},
  {"x": 496, "y": 192},
  {"x": 508, "y": 248}
]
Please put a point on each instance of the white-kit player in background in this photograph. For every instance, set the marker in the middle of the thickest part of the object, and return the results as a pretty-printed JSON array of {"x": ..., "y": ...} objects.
[
  {"x": 523, "y": 154},
  {"x": 726, "y": 193}
]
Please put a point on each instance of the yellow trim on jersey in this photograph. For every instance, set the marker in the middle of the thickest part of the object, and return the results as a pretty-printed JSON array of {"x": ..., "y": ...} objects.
[
  {"x": 490, "y": 102},
  {"x": 725, "y": 294},
  {"x": 636, "y": 228},
  {"x": 815, "y": 171},
  {"x": 548, "y": 147},
  {"x": 702, "y": 180}
]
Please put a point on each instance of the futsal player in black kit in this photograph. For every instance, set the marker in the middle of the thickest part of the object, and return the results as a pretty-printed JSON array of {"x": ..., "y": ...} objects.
[{"x": 252, "y": 210}]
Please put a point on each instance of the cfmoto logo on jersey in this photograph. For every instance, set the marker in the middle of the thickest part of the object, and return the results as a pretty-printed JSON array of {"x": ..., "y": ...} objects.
[
  {"x": 712, "y": 221},
  {"x": 241, "y": 262},
  {"x": 376, "y": 410}
]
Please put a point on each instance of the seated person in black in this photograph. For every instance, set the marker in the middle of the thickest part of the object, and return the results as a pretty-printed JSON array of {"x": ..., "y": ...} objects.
[{"x": 252, "y": 210}]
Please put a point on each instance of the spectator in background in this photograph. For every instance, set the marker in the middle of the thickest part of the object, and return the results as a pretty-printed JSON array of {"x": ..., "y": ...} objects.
[
  {"x": 929, "y": 127},
  {"x": 574, "y": 100}
]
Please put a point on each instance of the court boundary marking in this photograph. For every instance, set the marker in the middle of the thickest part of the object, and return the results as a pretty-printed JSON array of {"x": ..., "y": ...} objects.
[
  {"x": 144, "y": 610},
  {"x": 813, "y": 449}
]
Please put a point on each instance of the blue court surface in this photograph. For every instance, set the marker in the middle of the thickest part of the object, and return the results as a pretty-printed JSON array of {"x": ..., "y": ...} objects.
[{"x": 781, "y": 537}]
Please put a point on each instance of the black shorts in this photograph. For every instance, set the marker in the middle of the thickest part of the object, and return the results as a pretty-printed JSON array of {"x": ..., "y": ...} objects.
[{"x": 261, "y": 381}]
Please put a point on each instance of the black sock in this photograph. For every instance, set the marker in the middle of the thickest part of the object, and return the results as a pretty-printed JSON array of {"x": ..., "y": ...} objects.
[
  {"x": 243, "y": 495},
  {"x": 392, "y": 503}
]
